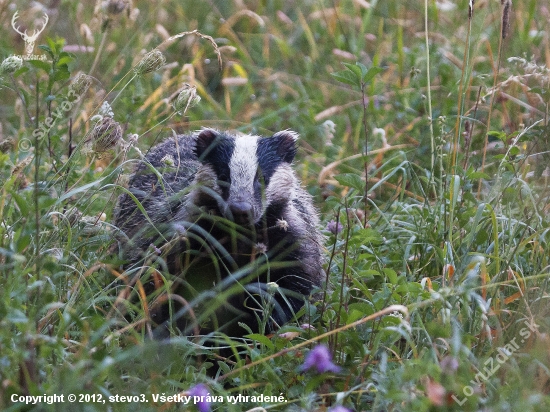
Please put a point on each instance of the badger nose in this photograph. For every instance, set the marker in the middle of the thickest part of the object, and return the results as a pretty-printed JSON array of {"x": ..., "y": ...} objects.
[{"x": 241, "y": 211}]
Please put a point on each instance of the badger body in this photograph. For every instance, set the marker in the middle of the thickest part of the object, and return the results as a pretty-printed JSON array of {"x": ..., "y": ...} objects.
[{"x": 226, "y": 217}]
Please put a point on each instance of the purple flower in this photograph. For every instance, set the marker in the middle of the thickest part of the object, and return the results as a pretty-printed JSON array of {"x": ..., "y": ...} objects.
[
  {"x": 449, "y": 365},
  {"x": 339, "y": 408},
  {"x": 321, "y": 359},
  {"x": 199, "y": 393},
  {"x": 334, "y": 227}
]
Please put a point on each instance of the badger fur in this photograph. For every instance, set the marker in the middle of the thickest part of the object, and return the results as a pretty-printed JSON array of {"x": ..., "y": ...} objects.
[{"x": 226, "y": 217}]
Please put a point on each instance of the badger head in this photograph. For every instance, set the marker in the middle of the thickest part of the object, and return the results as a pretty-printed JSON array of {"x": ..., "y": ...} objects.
[{"x": 244, "y": 174}]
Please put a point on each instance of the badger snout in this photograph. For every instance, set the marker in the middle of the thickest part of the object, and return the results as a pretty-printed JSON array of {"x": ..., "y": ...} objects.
[{"x": 241, "y": 211}]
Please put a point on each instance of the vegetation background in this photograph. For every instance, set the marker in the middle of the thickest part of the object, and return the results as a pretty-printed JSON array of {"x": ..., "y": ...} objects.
[{"x": 439, "y": 277}]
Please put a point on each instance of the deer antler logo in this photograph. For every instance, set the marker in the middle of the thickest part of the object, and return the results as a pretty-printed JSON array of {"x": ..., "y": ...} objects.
[{"x": 30, "y": 40}]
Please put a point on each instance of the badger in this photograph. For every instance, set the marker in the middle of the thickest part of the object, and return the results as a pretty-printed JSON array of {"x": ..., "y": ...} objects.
[{"x": 218, "y": 228}]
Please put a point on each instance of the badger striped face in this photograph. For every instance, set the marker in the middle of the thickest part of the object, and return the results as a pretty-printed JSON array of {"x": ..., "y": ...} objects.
[{"x": 251, "y": 172}]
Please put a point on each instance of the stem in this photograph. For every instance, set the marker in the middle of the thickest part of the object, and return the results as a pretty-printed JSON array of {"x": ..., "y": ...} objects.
[
  {"x": 35, "y": 193},
  {"x": 366, "y": 150},
  {"x": 99, "y": 51},
  {"x": 461, "y": 92},
  {"x": 432, "y": 139},
  {"x": 495, "y": 77}
]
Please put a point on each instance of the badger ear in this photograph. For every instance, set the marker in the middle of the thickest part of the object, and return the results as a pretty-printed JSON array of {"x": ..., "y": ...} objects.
[
  {"x": 205, "y": 142},
  {"x": 286, "y": 144}
]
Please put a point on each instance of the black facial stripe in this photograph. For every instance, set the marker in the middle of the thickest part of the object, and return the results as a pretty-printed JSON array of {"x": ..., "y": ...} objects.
[
  {"x": 268, "y": 158},
  {"x": 219, "y": 158}
]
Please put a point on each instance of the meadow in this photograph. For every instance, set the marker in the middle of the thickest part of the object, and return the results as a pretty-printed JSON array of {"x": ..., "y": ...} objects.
[{"x": 424, "y": 139}]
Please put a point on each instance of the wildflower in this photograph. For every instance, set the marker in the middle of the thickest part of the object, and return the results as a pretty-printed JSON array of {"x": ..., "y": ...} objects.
[
  {"x": 334, "y": 227},
  {"x": 186, "y": 99},
  {"x": 155, "y": 249},
  {"x": 261, "y": 248},
  {"x": 321, "y": 359},
  {"x": 11, "y": 64},
  {"x": 168, "y": 160},
  {"x": 200, "y": 391},
  {"x": 150, "y": 62},
  {"x": 339, "y": 408},
  {"x": 105, "y": 135},
  {"x": 449, "y": 365},
  {"x": 106, "y": 110},
  {"x": 329, "y": 128},
  {"x": 282, "y": 224},
  {"x": 272, "y": 288}
]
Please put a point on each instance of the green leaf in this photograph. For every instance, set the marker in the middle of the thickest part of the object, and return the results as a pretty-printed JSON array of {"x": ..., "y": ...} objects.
[
  {"x": 54, "y": 46},
  {"x": 358, "y": 311},
  {"x": 369, "y": 75},
  {"x": 47, "y": 49},
  {"x": 264, "y": 340},
  {"x": 64, "y": 60},
  {"x": 22, "y": 243},
  {"x": 474, "y": 175},
  {"x": 346, "y": 76},
  {"x": 368, "y": 235},
  {"x": 40, "y": 64},
  {"x": 351, "y": 180},
  {"x": 19, "y": 72},
  {"x": 363, "y": 68},
  {"x": 62, "y": 74},
  {"x": 355, "y": 69},
  {"x": 497, "y": 135},
  {"x": 21, "y": 203},
  {"x": 391, "y": 275}
]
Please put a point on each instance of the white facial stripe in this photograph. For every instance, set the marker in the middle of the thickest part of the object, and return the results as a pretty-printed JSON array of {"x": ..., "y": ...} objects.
[
  {"x": 281, "y": 184},
  {"x": 243, "y": 166}
]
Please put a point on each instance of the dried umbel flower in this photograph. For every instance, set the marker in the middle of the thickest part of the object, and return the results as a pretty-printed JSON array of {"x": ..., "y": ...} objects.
[
  {"x": 11, "y": 64},
  {"x": 186, "y": 99},
  {"x": 150, "y": 62},
  {"x": 6, "y": 144},
  {"x": 80, "y": 84},
  {"x": 105, "y": 135}
]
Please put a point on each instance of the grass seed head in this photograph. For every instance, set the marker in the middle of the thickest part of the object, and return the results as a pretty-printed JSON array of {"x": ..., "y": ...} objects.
[{"x": 506, "y": 9}]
